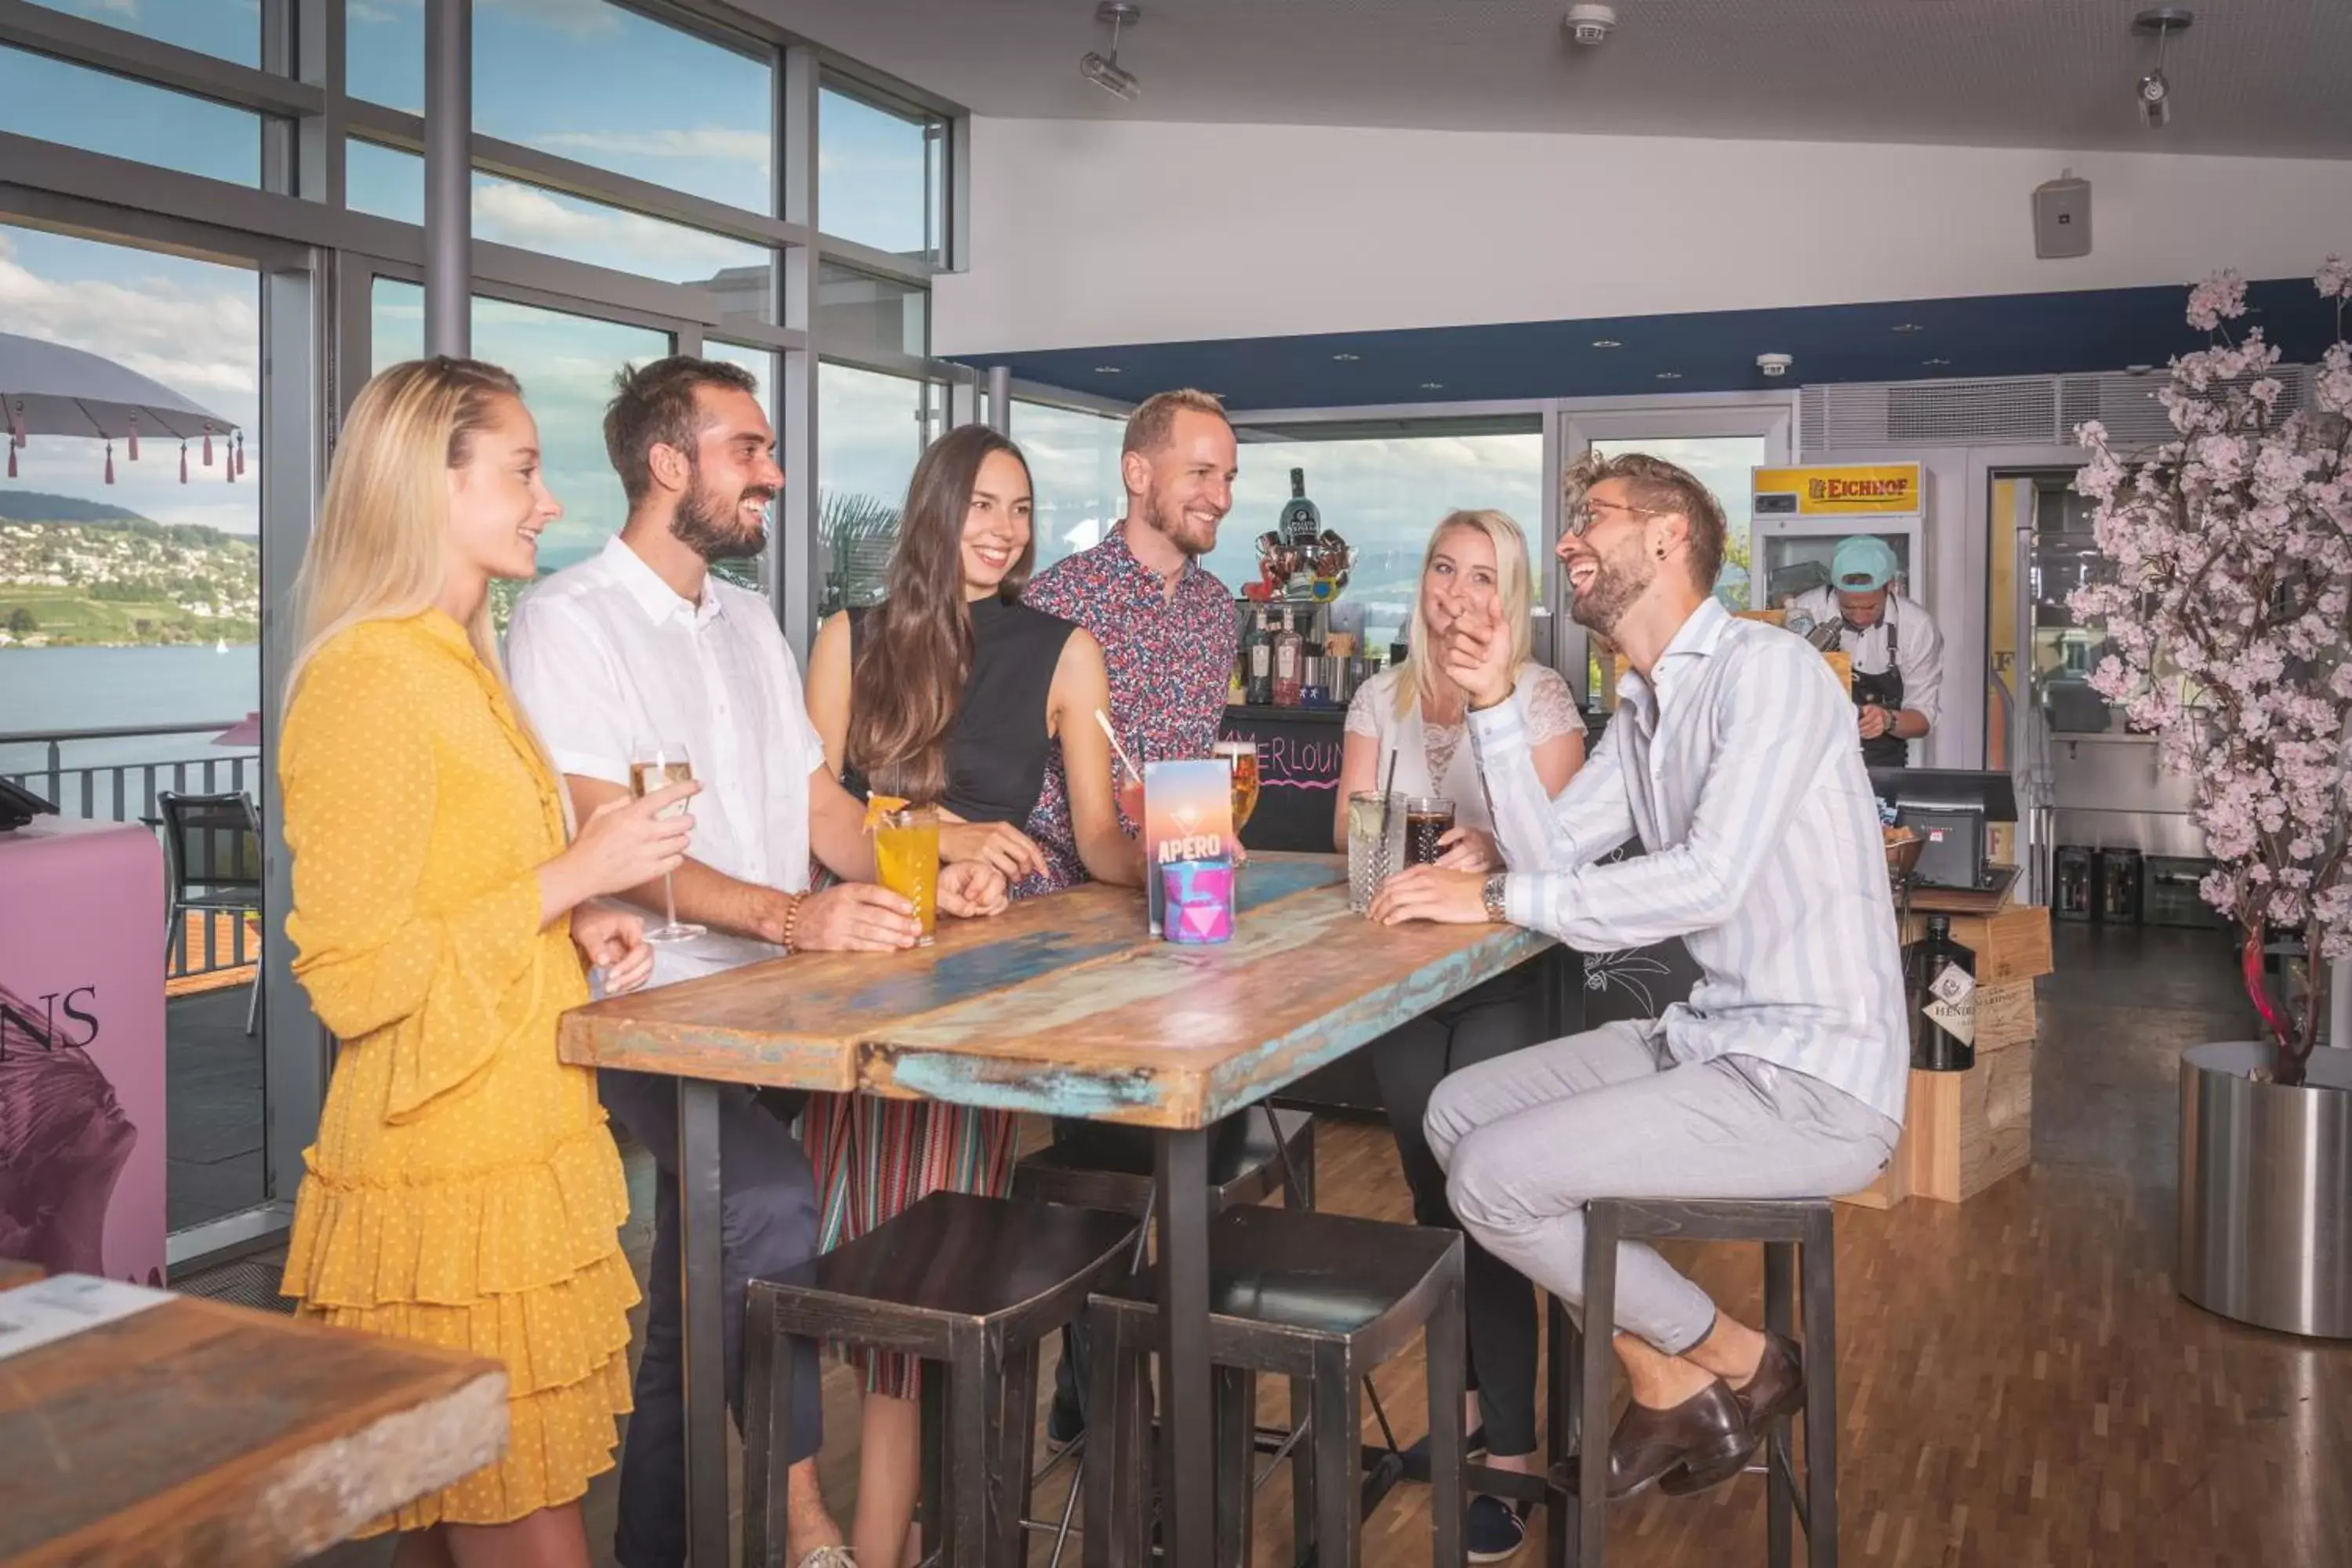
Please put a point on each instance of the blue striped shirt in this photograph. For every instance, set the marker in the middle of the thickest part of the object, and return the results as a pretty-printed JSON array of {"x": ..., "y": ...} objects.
[{"x": 1737, "y": 766}]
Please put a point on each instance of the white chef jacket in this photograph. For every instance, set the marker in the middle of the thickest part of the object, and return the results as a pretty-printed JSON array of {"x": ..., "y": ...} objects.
[{"x": 1918, "y": 645}]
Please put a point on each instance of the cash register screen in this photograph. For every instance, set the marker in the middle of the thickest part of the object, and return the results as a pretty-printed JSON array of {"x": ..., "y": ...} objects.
[{"x": 1950, "y": 807}]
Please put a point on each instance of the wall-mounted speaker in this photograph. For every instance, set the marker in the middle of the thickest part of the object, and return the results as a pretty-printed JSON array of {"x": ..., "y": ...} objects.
[{"x": 2062, "y": 218}]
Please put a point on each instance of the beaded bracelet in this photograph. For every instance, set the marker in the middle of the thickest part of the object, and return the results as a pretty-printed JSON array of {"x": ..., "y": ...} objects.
[{"x": 791, "y": 921}]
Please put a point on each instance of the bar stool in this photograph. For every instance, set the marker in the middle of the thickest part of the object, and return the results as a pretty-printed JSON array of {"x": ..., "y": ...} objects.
[
  {"x": 1581, "y": 1377},
  {"x": 1245, "y": 1167},
  {"x": 1298, "y": 1294},
  {"x": 970, "y": 1285}
]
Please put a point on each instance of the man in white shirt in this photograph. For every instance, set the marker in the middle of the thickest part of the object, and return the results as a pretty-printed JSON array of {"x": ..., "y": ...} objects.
[
  {"x": 1898, "y": 654},
  {"x": 1731, "y": 757},
  {"x": 643, "y": 643}
]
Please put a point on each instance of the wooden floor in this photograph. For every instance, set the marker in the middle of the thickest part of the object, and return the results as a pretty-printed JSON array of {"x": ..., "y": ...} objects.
[{"x": 2021, "y": 1385}]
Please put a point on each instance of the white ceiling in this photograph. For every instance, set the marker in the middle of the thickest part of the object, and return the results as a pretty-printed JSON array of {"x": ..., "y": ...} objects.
[{"x": 2266, "y": 77}]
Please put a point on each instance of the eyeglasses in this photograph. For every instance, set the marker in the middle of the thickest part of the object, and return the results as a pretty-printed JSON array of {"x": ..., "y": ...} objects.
[{"x": 1578, "y": 517}]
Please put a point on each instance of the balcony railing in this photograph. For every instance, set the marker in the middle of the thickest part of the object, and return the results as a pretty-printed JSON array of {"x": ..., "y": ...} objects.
[{"x": 128, "y": 792}]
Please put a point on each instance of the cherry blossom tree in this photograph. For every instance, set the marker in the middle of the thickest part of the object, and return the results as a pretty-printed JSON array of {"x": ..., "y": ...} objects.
[{"x": 2227, "y": 613}]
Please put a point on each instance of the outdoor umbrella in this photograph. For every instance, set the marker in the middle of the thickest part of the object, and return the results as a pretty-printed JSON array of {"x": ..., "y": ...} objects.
[{"x": 49, "y": 389}]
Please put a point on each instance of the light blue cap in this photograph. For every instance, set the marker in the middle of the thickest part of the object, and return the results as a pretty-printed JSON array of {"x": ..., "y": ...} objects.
[{"x": 1864, "y": 565}]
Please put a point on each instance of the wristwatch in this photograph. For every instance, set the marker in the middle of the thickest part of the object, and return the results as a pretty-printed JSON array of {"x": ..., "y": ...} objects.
[{"x": 1494, "y": 896}]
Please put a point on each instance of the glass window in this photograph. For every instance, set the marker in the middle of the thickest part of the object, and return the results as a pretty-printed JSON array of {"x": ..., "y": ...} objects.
[
  {"x": 870, "y": 429},
  {"x": 762, "y": 363},
  {"x": 383, "y": 52},
  {"x": 390, "y": 182},
  {"x": 100, "y": 112},
  {"x": 638, "y": 97},
  {"x": 854, "y": 311},
  {"x": 565, "y": 364},
  {"x": 883, "y": 177},
  {"x": 1383, "y": 495},
  {"x": 1074, "y": 466},
  {"x": 229, "y": 28},
  {"x": 384, "y": 181},
  {"x": 131, "y": 601}
]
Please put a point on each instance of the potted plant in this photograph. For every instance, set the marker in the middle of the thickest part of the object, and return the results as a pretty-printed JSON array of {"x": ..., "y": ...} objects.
[{"x": 2227, "y": 611}]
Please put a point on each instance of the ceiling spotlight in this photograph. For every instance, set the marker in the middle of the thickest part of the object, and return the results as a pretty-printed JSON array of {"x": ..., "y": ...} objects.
[
  {"x": 1345, "y": 359},
  {"x": 1433, "y": 386},
  {"x": 1105, "y": 370},
  {"x": 1104, "y": 70},
  {"x": 1670, "y": 376},
  {"x": 2154, "y": 93},
  {"x": 1607, "y": 343},
  {"x": 1934, "y": 361},
  {"x": 1908, "y": 327}
]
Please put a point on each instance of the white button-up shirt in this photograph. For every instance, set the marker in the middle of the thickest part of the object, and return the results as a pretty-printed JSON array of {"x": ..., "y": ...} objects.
[
  {"x": 605, "y": 654},
  {"x": 1918, "y": 645},
  {"x": 1737, "y": 769}
]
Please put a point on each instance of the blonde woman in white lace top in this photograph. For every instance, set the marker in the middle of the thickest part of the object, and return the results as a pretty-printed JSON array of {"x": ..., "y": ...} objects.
[{"x": 1475, "y": 559}]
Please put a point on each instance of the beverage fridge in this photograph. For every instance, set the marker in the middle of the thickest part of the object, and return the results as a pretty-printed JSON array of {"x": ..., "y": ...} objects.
[{"x": 1799, "y": 514}]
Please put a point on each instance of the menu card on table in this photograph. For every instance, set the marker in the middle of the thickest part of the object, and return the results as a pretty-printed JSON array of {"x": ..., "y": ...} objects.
[{"x": 1188, "y": 817}]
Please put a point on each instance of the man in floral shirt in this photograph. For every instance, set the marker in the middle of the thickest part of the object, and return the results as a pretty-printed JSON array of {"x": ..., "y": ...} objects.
[
  {"x": 1168, "y": 634},
  {"x": 1166, "y": 624}
]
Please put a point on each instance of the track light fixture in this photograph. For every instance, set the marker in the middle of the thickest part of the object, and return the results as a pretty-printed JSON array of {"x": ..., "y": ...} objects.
[
  {"x": 1104, "y": 70},
  {"x": 2154, "y": 93}
]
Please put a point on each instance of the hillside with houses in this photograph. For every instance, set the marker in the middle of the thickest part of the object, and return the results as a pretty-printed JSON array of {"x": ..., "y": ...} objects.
[{"x": 73, "y": 572}]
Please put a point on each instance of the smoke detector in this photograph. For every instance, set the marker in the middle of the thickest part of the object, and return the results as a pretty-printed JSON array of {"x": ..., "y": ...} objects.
[
  {"x": 1774, "y": 365},
  {"x": 1589, "y": 26}
]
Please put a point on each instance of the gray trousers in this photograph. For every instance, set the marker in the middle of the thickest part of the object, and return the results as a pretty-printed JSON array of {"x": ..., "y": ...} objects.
[{"x": 1526, "y": 1138}]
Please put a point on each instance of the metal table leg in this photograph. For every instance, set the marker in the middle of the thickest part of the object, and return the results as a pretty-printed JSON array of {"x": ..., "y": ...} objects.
[
  {"x": 1181, "y": 1271},
  {"x": 704, "y": 1298}
]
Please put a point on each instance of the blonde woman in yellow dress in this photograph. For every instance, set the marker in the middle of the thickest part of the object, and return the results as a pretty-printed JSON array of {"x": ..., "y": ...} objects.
[{"x": 463, "y": 1190}]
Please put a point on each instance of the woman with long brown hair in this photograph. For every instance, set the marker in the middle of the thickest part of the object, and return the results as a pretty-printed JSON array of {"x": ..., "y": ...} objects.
[
  {"x": 463, "y": 1190},
  {"x": 951, "y": 693}
]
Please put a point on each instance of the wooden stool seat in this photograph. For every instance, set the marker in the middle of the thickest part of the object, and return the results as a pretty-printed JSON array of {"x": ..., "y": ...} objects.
[
  {"x": 1244, "y": 1165},
  {"x": 1319, "y": 1298},
  {"x": 970, "y": 1285}
]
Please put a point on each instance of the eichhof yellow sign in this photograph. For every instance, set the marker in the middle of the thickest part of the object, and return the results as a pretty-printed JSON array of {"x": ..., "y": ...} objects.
[{"x": 1842, "y": 489}]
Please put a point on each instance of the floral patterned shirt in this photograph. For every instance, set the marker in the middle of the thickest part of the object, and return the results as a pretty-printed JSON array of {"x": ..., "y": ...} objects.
[{"x": 1171, "y": 658}]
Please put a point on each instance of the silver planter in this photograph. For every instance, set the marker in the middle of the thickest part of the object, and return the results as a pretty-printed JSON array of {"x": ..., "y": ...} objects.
[{"x": 2266, "y": 1190}]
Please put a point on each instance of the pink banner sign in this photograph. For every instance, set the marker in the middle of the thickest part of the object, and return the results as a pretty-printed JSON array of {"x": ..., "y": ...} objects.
[{"x": 81, "y": 1048}]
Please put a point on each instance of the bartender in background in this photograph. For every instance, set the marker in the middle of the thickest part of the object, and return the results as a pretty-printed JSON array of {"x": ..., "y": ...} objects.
[{"x": 1897, "y": 653}]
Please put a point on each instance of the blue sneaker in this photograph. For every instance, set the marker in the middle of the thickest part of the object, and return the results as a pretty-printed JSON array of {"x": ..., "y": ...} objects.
[{"x": 1492, "y": 1530}]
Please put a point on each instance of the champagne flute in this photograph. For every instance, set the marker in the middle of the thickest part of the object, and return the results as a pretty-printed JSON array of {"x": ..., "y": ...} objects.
[
  {"x": 1241, "y": 758},
  {"x": 654, "y": 766}
]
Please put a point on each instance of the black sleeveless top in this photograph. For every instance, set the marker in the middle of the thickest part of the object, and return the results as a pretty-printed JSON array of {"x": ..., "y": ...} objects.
[{"x": 998, "y": 746}]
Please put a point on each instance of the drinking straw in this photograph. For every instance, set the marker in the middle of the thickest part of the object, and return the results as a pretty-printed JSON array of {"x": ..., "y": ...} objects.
[
  {"x": 1387, "y": 793},
  {"x": 1110, "y": 734}
]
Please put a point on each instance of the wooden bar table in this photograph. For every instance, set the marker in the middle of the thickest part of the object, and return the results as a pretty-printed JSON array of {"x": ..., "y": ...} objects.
[
  {"x": 195, "y": 1433},
  {"x": 1064, "y": 1006}
]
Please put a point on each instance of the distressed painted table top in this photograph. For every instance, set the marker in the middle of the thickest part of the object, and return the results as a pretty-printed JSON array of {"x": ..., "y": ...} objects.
[
  {"x": 197, "y": 1433},
  {"x": 1067, "y": 1005}
]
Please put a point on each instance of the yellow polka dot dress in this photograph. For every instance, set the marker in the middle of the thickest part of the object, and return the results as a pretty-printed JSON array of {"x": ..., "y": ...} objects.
[{"x": 464, "y": 1189}]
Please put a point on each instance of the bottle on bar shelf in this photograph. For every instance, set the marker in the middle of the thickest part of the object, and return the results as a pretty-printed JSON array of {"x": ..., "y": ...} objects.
[
  {"x": 1302, "y": 521},
  {"x": 1258, "y": 689},
  {"x": 1290, "y": 662},
  {"x": 1940, "y": 976}
]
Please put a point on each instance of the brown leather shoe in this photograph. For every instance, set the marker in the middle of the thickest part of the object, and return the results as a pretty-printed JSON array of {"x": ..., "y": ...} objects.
[
  {"x": 1705, "y": 1434},
  {"x": 1776, "y": 1390}
]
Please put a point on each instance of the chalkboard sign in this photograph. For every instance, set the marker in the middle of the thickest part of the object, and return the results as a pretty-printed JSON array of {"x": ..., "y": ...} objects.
[{"x": 1298, "y": 774}]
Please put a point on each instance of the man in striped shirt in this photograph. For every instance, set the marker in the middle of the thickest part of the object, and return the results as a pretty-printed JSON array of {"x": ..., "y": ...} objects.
[{"x": 1732, "y": 758}]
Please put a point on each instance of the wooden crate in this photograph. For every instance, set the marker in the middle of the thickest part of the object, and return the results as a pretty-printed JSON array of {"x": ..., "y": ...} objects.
[
  {"x": 2010, "y": 946},
  {"x": 1894, "y": 1183},
  {"x": 1968, "y": 1130},
  {"x": 2005, "y": 1015}
]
